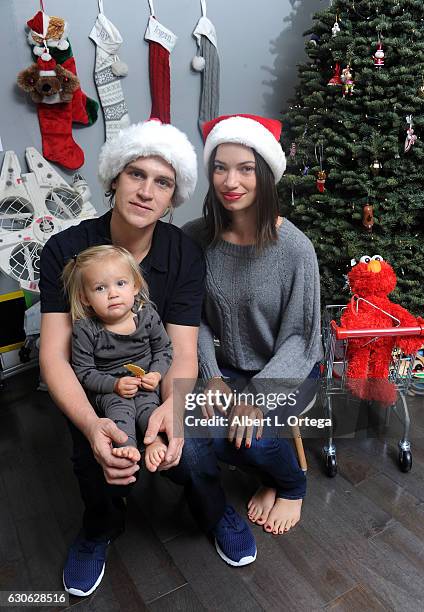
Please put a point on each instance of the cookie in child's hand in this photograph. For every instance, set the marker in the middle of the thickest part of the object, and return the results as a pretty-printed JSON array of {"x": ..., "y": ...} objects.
[{"x": 134, "y": 369}]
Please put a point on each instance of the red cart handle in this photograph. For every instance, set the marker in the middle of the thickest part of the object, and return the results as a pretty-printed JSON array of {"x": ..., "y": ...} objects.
[{"x": 343, "y": 333}]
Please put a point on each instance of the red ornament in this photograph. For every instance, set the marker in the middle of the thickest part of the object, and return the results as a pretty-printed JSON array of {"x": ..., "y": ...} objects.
[
  {"x": 335, "y": 79},
  {"x": 321, "y": 176},
  {"x": 368, "y": 217}
]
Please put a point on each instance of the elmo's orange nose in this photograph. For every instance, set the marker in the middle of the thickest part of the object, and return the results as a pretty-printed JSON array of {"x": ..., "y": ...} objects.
[{"x": 374, "y": 266}]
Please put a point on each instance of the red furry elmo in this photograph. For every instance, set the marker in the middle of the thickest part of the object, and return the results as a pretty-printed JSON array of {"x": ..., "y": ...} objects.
[{"x": 370, "y": 281}]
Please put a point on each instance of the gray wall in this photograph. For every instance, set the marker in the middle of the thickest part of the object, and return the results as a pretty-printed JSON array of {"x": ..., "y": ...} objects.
[{"x": 259, "y": 45}]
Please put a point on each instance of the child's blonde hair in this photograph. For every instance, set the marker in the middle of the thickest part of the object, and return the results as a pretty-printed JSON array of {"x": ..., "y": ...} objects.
[{"x": 73, "y": 281}]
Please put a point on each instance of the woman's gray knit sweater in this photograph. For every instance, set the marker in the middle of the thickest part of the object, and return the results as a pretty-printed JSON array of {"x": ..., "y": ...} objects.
[{"x": 263, "y": 307}]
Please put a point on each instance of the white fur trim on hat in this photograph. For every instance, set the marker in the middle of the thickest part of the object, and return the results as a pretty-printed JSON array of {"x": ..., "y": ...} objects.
[
  {"x": 151, "y": 138},
  {"x": 250, "y": 133}
]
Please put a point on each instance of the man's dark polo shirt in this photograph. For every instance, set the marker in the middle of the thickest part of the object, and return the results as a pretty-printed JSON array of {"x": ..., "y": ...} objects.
[{"x": 174, "y": 268}]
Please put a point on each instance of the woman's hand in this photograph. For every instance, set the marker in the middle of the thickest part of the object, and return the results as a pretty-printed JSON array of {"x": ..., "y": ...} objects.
[
  {"x": 127, "y": 386},
  {"x": 242, "y": 420},
  {"x": 221, "y": 397}
]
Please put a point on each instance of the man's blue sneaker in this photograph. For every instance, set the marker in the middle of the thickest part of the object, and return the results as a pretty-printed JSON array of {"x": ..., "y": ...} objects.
[
  {"x": 84, "y": 567},
  {"x": 234, "y": 541}
]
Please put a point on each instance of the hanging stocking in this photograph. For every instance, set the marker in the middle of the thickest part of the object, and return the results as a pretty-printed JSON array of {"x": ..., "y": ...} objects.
[
  {"x": 52, "y": 88},
  {"x": 207, "y": 63},
  {"x": 107, "y": 73},
  {"x": 161, "y": 42},
  {"x": 51, "y": 33}
]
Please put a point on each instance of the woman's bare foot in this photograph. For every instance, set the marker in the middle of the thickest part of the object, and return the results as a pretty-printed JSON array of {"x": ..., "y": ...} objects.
[
  {"x": 283, "y": 516},
  {"x": 261, "y": 505},
  {"x": 127, "y": 452},
  {"x": 155, "y": 454}
]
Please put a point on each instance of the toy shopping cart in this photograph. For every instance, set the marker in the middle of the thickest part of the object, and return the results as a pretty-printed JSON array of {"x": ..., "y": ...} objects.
[{"x": 333, "y": 381}]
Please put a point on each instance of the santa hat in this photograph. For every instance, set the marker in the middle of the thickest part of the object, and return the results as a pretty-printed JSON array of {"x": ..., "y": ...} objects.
[
  {"x": 46, "y": 68},
  {"x": 259, "y": 133},
  {"x": 151, "y": 138},
  {"x": 39, "y": 24}
]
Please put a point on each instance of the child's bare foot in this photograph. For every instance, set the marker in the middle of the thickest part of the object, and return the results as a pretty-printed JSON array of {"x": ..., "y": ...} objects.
[
  {"x": 155, "y": 454},
  {"x": 127, "y": 452},
  {"x": 261, "y": 505},
  {"x": 283, "y": 516}
]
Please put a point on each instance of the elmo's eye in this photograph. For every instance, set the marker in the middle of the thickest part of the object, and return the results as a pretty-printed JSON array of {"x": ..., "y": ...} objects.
[
  {"x": 377, "y": 258},
  {"x": 365, "y": 259}
]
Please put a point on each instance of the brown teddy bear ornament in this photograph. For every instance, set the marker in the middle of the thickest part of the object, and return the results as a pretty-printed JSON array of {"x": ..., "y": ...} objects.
[{"x": 48, "y": 82}]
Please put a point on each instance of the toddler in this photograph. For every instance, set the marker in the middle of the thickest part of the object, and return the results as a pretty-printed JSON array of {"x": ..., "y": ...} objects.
[{"x": 115, "y": 324}]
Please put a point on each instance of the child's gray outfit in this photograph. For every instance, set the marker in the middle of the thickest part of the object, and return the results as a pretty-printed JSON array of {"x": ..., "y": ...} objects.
[{"x": 98, "y": 357}]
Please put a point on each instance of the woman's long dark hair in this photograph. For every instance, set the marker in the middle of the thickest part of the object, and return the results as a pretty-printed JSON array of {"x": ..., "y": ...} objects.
[{"x": 218, "y": 219}]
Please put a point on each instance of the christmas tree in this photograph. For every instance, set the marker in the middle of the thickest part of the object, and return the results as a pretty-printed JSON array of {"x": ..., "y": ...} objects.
[{"x": 353, "y": 138}]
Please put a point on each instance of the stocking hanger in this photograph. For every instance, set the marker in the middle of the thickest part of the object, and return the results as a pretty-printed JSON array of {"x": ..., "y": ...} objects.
[{"x": 152, "y": 8}]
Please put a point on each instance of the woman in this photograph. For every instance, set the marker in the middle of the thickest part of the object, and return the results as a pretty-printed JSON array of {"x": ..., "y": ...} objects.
[{"x": 262, "y": 303}]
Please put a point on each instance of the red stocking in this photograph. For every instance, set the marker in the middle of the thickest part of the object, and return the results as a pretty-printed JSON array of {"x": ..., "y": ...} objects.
[
  {"x": 160, "y": 82},
  {"x": 56, "y": 131},
  {"x": 84, "y": 109}
]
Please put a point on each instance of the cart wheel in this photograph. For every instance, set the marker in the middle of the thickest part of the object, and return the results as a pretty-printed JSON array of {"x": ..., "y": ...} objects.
[
  {"x": 405, "y": 460},
  {"x": 331, "y": 465}
]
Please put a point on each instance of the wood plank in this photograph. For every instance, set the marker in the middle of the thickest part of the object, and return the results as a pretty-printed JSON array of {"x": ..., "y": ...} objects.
[
  {"x": 162, "y": 503},
  {"x": 403, "y": 506},
  {"x": 152, "y": 570},
  {"x": 358, "y": 598},
  {"x": 350, "y": 544},
  {"x": 44, "y": 551},
  {"x": 406, "y": 552},
  {"x": 304, "y": 551},
  {"x": 217, "y": 585},
  {"x": 183, "y": 599}
]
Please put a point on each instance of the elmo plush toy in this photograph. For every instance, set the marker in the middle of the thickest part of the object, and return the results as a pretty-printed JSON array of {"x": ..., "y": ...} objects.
[{"x": 370, "y": 281}]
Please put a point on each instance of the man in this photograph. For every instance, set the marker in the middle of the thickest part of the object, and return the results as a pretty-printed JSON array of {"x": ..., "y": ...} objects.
[{"x": 148, "y": 168}]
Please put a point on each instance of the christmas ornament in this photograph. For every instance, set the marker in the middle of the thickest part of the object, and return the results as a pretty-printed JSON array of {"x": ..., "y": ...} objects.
[
  {"x": 49, "y": 35},
  {"x": 321, "y": 175},
  {"x": 410, "y": 136},
  {"x": 379, "y": 56},
  {"x": 52, "y": 87},
  {"x": 107, "y": 72},
  {"x": 47, "y": 82},
  {"x": 292, "y": 149},
  {"x": 347, "y": 80},
  {"x": 375, "y": 167},
  {"x": 207, "y": 62},
  {"x": 370, "y": 281},
  {"x": 420, "y": 91},
  {"x": 368, "y": 217},
  {"x": 336, "y": 79},
  {"x": 336, "y": 28},
  {"x": 320, "y": 183},
  {"x": 33, "y": 207},
  {"x": 161, "y": 43}
]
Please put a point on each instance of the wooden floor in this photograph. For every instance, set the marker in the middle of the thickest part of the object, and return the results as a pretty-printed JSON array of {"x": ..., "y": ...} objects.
[{"x": 359, "y": 546}]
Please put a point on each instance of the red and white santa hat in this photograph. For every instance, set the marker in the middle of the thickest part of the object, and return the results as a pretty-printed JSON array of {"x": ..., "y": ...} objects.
[
  {"x": 259, "y": 133},
  {"x": 151, "y": 138},
  {"x": 46, "y": 67},
  {"x": 38, "y": 26}
]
